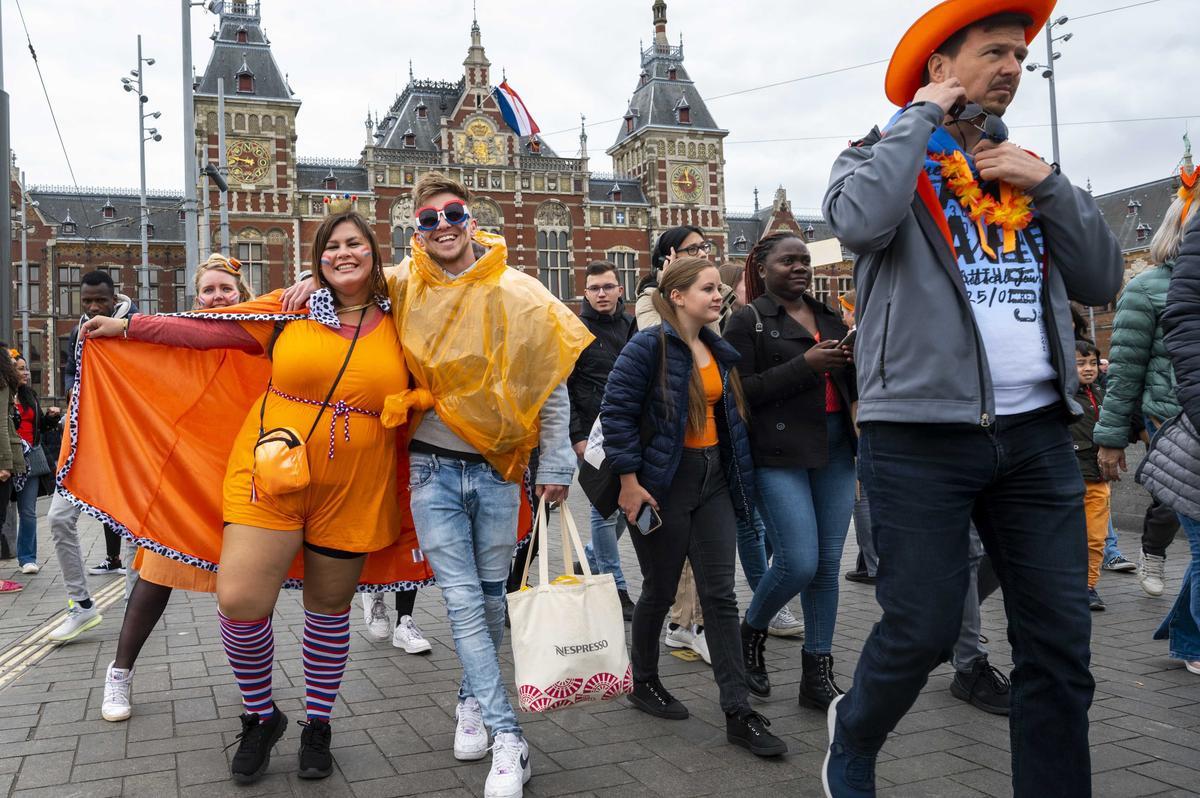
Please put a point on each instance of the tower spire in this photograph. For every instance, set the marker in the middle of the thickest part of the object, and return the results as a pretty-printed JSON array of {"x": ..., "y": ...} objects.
[{"x": 660, "y": 23}]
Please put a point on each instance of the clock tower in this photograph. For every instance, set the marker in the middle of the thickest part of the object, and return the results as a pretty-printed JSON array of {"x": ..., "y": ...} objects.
[
  {"x": 260, "y": 148},
  {"x": 670, "y": 142}
]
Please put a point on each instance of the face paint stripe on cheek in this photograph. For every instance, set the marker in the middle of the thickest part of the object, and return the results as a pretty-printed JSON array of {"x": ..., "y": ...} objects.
[{"x": 326, "y": 261}]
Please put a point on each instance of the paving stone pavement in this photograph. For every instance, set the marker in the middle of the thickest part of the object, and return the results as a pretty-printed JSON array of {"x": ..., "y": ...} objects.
[{"x": 394, "y": 722}]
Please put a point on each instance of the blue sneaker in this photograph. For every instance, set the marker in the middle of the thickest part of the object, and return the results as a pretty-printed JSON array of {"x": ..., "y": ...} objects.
[{"x": 846, "y": 774}]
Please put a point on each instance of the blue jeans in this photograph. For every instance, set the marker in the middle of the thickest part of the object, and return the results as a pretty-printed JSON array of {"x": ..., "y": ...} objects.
[
  {"x": 1019, "y": 481},
  {"x": 27, "y": 522},
  {"x": 1182, "y": 624},
  {"x": 806, "y": 512},
  {"x": 1111, "y": 550},
  {"x": 603, "y": 555},
  {"x": 754, "y": 548},
  {"x": 466, "y": 519}
]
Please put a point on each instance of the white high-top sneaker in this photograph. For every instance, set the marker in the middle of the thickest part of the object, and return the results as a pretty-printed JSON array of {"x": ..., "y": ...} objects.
[
  {"x": 118, "y": 690},
  {"x": 470, "y": 736},
  {"x": 375, "y": 616}
]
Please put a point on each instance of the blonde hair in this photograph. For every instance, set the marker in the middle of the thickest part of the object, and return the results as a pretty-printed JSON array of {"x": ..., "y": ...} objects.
[
  {"x": 220, "y": 263},
  {"x": 1164, "y": 246},
  {"x": 433, "y": 183}
]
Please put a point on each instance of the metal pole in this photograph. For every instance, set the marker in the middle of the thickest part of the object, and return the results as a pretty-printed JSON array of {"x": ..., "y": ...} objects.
[
  {"x": 6, "y": 305},
  {"x": 144, "y": 211},
  {"x": 223, "y": 164},
  {"x": 24, "y": 279},
  {"x": 1050, "y": 67},
  {"x": 191, "y": 243}
]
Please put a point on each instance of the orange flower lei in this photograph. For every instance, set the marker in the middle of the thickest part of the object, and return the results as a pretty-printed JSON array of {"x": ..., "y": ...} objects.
[
  {"x": 1012, "y": 212},
  {"x": 1187, "y": 189}
]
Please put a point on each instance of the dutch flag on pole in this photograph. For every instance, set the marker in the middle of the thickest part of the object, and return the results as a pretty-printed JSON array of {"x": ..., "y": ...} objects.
[{"x": 514, "y": 111}]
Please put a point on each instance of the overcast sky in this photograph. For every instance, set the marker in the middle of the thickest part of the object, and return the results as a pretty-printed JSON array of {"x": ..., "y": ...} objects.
[{"x": 578, "y": 57}]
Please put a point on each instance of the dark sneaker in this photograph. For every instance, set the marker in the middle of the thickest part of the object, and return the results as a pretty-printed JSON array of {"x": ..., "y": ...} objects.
[
  {"x": 983, "y": 687},
  {"x": 846, "y": 773},
  {"x": 653, "y": 699},
  {"x": 1095, "y": 603},
  {"x": 749, "y": 730},
  {"x": 1120, "y": 564},
  {"x": 754, "y": 644},
  {"x": 108, "y": 566},
  {"x": 862, "y": 577},
  {"x": 254, "y": 746},
  {"x": 315, "y": 760},
  {"x": 627, "y": 605}
]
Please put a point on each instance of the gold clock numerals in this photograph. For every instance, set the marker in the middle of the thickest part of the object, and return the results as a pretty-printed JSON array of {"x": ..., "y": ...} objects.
[
  {"x": 688, "y": 183},
  {"x": 249, "y": 161}
]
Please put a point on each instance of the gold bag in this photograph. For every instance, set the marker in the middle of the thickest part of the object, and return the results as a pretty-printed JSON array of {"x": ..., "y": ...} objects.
[{"x": 281, "y": 461}]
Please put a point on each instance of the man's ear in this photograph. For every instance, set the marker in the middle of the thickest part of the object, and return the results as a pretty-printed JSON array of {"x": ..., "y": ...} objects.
[{"x": 938, "y": 68}]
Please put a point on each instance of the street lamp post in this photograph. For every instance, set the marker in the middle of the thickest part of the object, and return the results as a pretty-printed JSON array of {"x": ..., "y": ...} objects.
[
  {"x": 190, "y": 232},
  {"x": 24, "y": 277},
  {"x": 144, "y": 135}
]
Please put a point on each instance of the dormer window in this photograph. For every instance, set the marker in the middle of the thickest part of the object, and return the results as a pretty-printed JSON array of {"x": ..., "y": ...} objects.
[
  {"x": 242, "y": 36},
  {"x": 410, "y": 138},
  {"x": 183, "y": 216},
  {"x": 672, "y": 73},
  {"x": 149, "y": 230},
  {"x": 683, "y": 112},
  {"x": 644, "y": 78},
  {"x": 108, "y": 211},
  {"x": 245, "y": 78},
  {"x": 1132, "y": 207},
  {"x": 1143, "y": 231},
  {"x": 740, "y": 243},
  {"x": 329, "y": 183},
  {"x": 810, "y": 233},
  {"x": 628, "y": 123},
  {"x": 67, "y": 226},
  {"x": 422, "y": 111},
  {"x": 614, "y": 193},
  {"x": 535, "y": 145}
]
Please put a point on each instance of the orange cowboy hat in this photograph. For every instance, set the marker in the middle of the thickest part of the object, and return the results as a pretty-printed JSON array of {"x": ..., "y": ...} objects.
[{"x": 938, "y": 24}]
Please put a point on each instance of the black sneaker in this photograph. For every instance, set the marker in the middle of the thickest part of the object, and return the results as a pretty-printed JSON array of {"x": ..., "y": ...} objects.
[
  {"x": 315, "y": 760},
  {"x": 254, "y": 746},
  {"x": 983, "y": 687},
  {"x": 653, "y": 699},
  {"x": 749, "y": 730},
  {"x": 111, "y": 565},
  {"x": 627, "y": 605},
  {"x": 862, "y": 577},
  {"x": 1095, "y": 603}
]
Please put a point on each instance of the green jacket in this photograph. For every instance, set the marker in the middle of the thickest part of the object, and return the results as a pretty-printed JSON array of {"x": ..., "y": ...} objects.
[
  {"x": 12, "y": 457},
  {"x": 1138, "y": 365}
]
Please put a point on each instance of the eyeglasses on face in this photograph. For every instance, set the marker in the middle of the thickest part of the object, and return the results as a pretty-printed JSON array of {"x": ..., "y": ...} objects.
[
  {"x": 696, "y": 249},
  {"x": 454, "y": 212},
  {"x": 607, "y": 288}
]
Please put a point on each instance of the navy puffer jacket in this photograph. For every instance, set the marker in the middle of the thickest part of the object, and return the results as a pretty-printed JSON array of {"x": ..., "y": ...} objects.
[{"x": 634, "y": 401}]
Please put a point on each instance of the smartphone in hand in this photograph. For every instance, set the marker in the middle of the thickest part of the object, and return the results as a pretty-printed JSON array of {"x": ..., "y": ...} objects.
[
  {"x": 648, "y": 520},
  {"x": 848, "y": 341}
]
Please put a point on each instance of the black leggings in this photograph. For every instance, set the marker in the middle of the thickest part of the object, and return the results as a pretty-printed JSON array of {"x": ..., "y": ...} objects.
[{"x": 699, "y": 525}]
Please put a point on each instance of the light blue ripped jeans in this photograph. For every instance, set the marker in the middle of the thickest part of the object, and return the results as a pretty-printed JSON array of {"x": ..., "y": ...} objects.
[{"x": 466, "y": 519}]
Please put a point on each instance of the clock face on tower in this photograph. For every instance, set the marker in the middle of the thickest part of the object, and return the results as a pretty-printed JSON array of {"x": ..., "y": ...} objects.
[
  {"x": 687, "y": 184},
  {"x": 248, "y": 160}
]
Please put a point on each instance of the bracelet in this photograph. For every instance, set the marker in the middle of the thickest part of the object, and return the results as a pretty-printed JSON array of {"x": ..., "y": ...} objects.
[{"x": 125, "y": 329}]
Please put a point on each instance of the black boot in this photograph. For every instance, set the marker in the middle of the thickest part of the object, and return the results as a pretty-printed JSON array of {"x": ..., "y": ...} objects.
[
  {"x": 627, "y": 605},
  {"x": 749, "y": 730},
  {"x": 817, "y": 687},
  {"x": 254, "y": 746},
  {"x": 315, "y": 760},
  {"x": 653, "y": 699},
  {"x": 754, "y": 645}
]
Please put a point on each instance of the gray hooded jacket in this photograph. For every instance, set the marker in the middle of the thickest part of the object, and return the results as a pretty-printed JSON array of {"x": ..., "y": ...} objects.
[{"x": 919, "y": 354}]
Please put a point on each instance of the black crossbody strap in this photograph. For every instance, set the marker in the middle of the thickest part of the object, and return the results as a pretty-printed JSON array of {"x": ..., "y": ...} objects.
[{"x": 263, "y": 409}]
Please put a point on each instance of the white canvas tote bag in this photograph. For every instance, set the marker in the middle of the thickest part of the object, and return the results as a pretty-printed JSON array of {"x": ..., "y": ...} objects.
[{"x": 568, "y": 635}]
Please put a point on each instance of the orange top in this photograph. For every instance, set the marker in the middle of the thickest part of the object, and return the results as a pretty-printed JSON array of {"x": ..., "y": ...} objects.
[{"x": 710, "y": 375}]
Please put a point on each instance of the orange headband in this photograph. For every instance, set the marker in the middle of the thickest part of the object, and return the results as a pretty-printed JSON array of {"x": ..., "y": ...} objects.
[
  {"x": 846, "y": 305},
  {"x": 1187, "y": 191}
]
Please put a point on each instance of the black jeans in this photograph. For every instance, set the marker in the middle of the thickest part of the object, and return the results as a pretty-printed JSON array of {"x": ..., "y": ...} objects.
[
  {"x": 1158, "y": 528},
  {"x": 1019, "y": 481},
  {"x": 698, "y": 524}
]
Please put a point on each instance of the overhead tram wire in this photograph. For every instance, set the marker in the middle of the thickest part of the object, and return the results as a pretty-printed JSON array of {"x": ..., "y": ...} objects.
[
  {"x": 53, "y": 117},
  {"x": 1013, "y": 127},
  {"x": 827, "y": 73}
]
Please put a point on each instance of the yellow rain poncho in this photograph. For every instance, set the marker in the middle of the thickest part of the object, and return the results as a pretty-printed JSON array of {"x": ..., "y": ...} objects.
[{"x": 489, "y": 346}]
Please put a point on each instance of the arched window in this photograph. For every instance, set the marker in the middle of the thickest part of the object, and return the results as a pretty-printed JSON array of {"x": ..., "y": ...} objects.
[
  {"x": 554, "y": 249},
  {"x": 625, "y": 260},
  {"x": 403, "y": 229}
]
